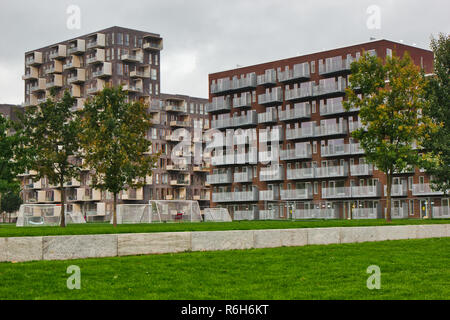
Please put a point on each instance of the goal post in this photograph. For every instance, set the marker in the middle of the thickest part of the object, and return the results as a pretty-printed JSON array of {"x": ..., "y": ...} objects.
[
  {"x": 217, "y": 215},
  {"x": 41, "y": 215}
]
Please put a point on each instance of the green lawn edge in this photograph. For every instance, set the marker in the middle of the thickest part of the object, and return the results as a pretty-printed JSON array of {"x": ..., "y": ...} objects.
[{"x": 104, "y": 228}]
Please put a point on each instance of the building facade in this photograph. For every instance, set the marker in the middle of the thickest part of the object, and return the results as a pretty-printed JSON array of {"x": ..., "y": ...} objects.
[
  {"x": 295, "y": 156},
  {"x": 131, "y": 58}
]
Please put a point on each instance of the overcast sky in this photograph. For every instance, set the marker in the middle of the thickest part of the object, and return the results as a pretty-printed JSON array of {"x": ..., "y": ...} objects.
[{"x": 206, "y": 36}]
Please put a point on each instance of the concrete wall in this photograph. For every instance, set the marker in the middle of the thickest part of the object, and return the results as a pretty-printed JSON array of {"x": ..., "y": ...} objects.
[{"x": 113, "y": 245}]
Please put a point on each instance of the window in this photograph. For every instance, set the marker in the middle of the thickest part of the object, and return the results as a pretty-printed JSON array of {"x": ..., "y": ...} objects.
[
  {"x": 120, "y": 38},
  {"x": 389, "y": 52},
  {"x": 156, "y": 60},
  {"x": 410, "y": 183},
  {"x": 411, "y": 207},
  {"x": 313, "y": 66},
  {"x": 316, "y": 187},
  {"x": 154, "y": 74},
  {"x": 314, "y": 107},
  {"x": 127, "y": 39},
  {"x": 314, "y": 147},
  {"x": 120, "y": 69},
  {"x": 156, "y": 89}
]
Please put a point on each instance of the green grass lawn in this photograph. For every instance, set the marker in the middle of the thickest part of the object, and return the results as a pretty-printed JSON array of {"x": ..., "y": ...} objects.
[
  {"x": 106, "y": 228},
  {"x": 410, "y": 269}
]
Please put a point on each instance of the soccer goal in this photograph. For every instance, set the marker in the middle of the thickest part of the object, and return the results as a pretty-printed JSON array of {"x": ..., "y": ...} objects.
[
  {"x": 159, "y": 211},
  {"x": 217, "y": 215},
  {"x": 40, "y": 215}
]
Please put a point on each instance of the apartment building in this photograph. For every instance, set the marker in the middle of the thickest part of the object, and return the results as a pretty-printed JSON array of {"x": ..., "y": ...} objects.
[
  {"x": 84, "y": 65},
  {"x": 293, "y": 155},
  {"x": 10, "y": 111},
  {"x": 131, "y": 58}
]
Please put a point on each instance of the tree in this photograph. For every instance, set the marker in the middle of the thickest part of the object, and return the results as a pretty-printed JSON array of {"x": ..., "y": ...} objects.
[
  {"x": 11, "y": 202},
  {"x": 114, "y": 142},
  {"x": 10, "y": 166},
  {"x": 437, "y": 163},
  {"x": 51, "y": 130},
  {"x": 390, "y": 96}
]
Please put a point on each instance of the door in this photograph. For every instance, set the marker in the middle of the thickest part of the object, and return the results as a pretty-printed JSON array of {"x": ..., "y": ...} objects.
[{"x": 423, "y": 208}]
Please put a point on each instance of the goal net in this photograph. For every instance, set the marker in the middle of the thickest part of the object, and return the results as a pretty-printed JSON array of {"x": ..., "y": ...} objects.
[
  {"x": 158, "y": 211},
  {"x": 176, "y": 210},
  {"x": 40, "y": 215},
  {"x": 217, "y": 215},
  {"x": 134, "y": 213}
]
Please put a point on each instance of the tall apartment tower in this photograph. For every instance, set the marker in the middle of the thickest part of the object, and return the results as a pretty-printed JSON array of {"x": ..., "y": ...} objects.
[
  {"x": 319, "y": 170},
  {"x": 131, "y": 58}
]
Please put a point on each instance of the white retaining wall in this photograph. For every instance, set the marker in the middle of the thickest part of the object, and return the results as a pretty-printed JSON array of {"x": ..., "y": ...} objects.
[{"x": 113, "y": 245}]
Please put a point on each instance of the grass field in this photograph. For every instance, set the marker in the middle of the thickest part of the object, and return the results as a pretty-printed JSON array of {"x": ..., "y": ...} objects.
[
  {"x": 410, "y": 269},
  {"x": 106, "y": 228}
]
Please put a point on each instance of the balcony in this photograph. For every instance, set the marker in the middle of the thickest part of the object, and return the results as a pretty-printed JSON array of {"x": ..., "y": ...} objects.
[
  {"x": 250, "y": 157},
  {"x": 39, "y": 86},
  {"x": 270, "y": 116},
  {"x": 355, "y": 125},
  {"x": 337, "y": 193},
  {"x": 34, "y": 59},
  {"x": 175, "y": 107},
  {"x": 268, "y": 78},
  {"x": 398, "y": 212},
  {"x": 334, "y": 65},
  {"x": 222, "y": 123},
  {"x": 223, "y": 159},
  {"x": 182, "y": 124},
  {"x": 73, "y": 63},
  {"x": 269, "y": 135},
  {"x": 298, "y": 73},
  {"x": 366, "y": 213},
  {"x": 424, "y": 189},
  {"x": 244, "y": 101},
  {"x": 140, "y": 74},
  {"x": 269, "y": 195},
  {"x": 179, "y": 167},
  {"x": 96, "y": 41},
  {"x": 152, "y": 42},
  {"x": 441, "y": 212},
  {"x": 77, "y": 77},
  {"x": 181, "y": 181},
  {"x": 134, "y": 88},
  {"x": 245, "y": 120},
  {"x": 104, "y": 72},
  {"x": 77, "y": 47},
  {"x": 243, "y": 177},
  {"x": 86, "y": 194},
  {"x": 79, "y": 105},
  {"x": 236, "y": 196},
  {"x": 300, "y": 174},
  {"x": 218, "y": 104},
  {"x": 97, "y": 57},
  {"x": 316, "y": 213},
  {"x": 366, "y": 191},
  {"x": 132, "y": 58},
  {"x": 57, "y": 67},
  {"x": 275, "y": 96},
  {"x": 304, "y": 91},
  {"x": 31, "y": 74},
  {"x": 272, "y": 173},
  {"x": 397, "y": 190},
  {"x": 219, "y": 178},
  {"x": 55, "y": 82},
  {"x": 72, "y": 183},
  {"x": 307, "y": 131},
  {"x": 270, "y": 214},
  {"x": 331, "y": 171},
  {"x": 206, "y": 168},
  {"x": 58, "y": 52},
  {"x": 300, "y": 111},
  {"x": 297, "y": 153},
  {"x": 236, "y": 84},
  {"x": 133, "y": 194},
  {"x": 331, "y": 128},
  {"x": 334, "y": 106},
  {"x": 361, "y": 169},
  {"x": 341, "y": 150},
  {"x": 296, "y": 194},
  {"x": 330, "y": 87}
]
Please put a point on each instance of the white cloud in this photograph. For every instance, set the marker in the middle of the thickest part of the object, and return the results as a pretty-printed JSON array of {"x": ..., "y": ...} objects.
[{"x": 11, "y": 84}]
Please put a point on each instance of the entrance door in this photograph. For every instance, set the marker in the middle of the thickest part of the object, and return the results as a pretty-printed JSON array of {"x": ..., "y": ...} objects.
[{"x": 423, "y": 208}]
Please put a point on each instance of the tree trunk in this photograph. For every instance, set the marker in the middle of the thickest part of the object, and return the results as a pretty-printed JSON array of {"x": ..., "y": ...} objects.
[
  {"x": 115, "y": 211},
  {"x": 63, "y": 202},
  {"x": 388, "y": 197}
]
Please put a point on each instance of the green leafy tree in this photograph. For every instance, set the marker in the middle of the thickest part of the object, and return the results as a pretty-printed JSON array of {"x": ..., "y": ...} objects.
[
  {"x": 11, "y": 202},
  {"x": 114, "y": 142},
  {"x": 52, "y": 145},
  {"x": 10, "y": 165},
  {"x": 437, "y": 162},
  {"x": 390, "y": 96}
]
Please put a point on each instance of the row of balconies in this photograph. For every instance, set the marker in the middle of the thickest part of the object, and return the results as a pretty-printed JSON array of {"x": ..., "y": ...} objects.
[
  {"x": 352, "y": 192},
  {"x": 334, "y": 150},
  {"x": 310, "y": 129},
  {"x": 299, "y": 111},
  {"x": 250, "y": 157},
  {"x": 334, "y": 106},
  {"x": 315, "y": 213},
  {"x": 320, "y": 172},
  {"x": 335, "y": 65},
  {"x": 236, "y": 196},
  {"x": 298, "y": 72}
]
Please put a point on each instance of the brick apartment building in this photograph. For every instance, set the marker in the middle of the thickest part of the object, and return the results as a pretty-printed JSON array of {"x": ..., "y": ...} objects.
[
  {"x": 131, "y": 58},
  {"x": 319, "y": 171}
]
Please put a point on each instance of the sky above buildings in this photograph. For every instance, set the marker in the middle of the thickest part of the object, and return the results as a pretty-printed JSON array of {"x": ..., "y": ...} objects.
[{"x": 207, "y": 36}]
